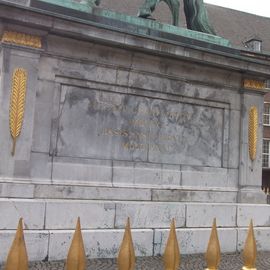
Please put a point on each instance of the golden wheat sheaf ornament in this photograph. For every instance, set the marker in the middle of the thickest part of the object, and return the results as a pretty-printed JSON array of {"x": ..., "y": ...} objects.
[
  {"x": 17, "y": 104},
  {"x": 253, "y": 132}
]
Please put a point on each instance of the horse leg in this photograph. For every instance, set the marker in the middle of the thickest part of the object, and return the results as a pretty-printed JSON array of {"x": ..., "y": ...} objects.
[{"x": 147, "y": 8}]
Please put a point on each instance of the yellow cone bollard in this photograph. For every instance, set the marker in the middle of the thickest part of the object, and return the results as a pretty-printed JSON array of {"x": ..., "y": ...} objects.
[
  {"x": 212, "y": 255},
  {"x": 172, "y": 253},
  {"x": 17, "y": 258},
  {"x": 76, "y": 259},
  {"x": 250, "y": 250},
  {"x": 126, "y": 257}
]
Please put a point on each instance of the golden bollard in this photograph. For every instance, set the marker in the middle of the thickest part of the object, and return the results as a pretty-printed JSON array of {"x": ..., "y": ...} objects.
[
  {"x": 250, "y": 250},
  {"x": 172, "y": 254},
  {"x": 17, "y": 258},
  {"x": 212, "y": 255},
  {"x": 76, "y": 259},
  {"x": 126, "y": 257}
]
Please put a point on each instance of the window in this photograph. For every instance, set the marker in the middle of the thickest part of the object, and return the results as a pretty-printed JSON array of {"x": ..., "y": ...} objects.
[
  {"x": 266, "y": 114},
  {"x": 266, "y": 153}
]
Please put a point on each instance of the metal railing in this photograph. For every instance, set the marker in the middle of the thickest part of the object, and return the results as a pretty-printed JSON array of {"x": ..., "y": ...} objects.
[{"x": 17, "y": 258}]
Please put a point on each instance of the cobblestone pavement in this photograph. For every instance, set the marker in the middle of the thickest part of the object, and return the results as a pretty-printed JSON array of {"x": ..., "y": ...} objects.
[{"x": 189, "y": 262}]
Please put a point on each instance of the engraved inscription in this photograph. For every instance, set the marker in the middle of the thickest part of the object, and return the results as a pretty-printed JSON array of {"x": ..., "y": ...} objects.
[{"x": 105, "y": 125}]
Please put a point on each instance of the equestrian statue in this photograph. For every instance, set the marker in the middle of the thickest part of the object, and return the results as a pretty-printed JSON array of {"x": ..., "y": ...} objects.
[{"x": 195, "y": 12}]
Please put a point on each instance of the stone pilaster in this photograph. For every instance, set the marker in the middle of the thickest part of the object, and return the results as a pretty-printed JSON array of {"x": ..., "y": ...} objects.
[
  {"x": 250, "y": 171},
  {"x": 17, "y": 51}
]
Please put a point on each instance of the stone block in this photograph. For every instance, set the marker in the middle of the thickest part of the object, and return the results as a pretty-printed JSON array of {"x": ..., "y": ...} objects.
[
  {"x": 100, "y": 243},
  {"x": 89, "y": 71},
  {"x": 36, "y": 243},
  {"x": 262, "y": 236},
  {"x": 259, "y": 213},
  {"x": 41, "y": 168},
  {"x": 207, "y": 177},
  {"x": 32, "y": 212},
  {"x": 234, "y": 135},
  {"x": 94, "y": 215},
  {"x": 92, "y": 193},
  {"x": 202, "y": 215},
  {"x": 46, "y": 94},
  {"x": 13, "y": 190},
  {"x": 150, "y": 215},
  {"x": 145, "y": 174},
  {"x": 193, "y": 241},
  {"x": 252, "y": 195},
  {"x": 81, "y": 171},
  {"x": 194, "y": 196}
]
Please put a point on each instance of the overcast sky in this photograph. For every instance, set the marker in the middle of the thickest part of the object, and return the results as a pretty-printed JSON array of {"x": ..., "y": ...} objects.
[{"x": 259, "y": 7}]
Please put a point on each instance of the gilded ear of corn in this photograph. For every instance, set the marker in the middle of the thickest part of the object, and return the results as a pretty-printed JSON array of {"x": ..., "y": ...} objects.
[
  {"x": 250, "y": 250},
  {"x": 17, "y": 104},
  {"x": 172, "y": 253},
  {"x": 253, "y": 132},
  {"x": 126, "y": 256},
  {"x": 17, "y": 258},
  {"x": 76, "y": 259},
  {"x": 213, "y": 250}
]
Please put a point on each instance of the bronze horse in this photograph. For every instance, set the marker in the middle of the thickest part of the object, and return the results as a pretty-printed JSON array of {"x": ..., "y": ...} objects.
[{"x": 195, "y": 12}]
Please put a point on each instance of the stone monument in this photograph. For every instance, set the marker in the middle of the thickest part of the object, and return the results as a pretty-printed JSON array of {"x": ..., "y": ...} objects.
[{"x": 105, "y": 116}]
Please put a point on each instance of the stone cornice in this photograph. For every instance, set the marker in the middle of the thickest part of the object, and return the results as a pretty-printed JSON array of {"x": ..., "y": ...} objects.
[{"x": 80, "y": 29}]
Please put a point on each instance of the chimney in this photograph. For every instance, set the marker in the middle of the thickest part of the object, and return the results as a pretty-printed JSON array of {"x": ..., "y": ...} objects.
[{"x": 254, "y": 44}]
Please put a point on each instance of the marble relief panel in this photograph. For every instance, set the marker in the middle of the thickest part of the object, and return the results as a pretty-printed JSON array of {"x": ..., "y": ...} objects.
[{"x": 107, "y": 125}]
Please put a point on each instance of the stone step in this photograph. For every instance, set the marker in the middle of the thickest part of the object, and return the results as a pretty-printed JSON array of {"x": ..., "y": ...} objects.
[
  {"x": 50, "y": 223},
  {"x": 52, "y": 214},
  {"x": 120, "y": 193}
]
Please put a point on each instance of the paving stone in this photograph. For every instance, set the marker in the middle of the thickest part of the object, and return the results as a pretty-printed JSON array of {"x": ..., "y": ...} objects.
[{"x": 189, "y": 262}]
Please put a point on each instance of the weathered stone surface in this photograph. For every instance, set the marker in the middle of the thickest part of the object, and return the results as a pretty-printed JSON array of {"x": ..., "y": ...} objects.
[
  {"x": 41, "y": 168},
  {"x": 208, "y": 177},
  {"x": 150, "y": 215},
  {"x": 202, "y": 215},
  {"x": 192, "y": 241},
  {"x": 84, "y": 171},
  {"x": 259, "y": 213},
  {"x": 261, "y": 235},
  {"x": 127, "y": 127},
  {"x": 63, "y": 214},
  {"x": 194, "y": 196},
  {"x": 36, "y": 243},
  {"x": 32, "y": 211},
  {"x": 100, "y": 243},
  {"x": 45, "y": 96},
  {"x": 146, "y": 174},
  {"x": 91, "y": 193},
  {"x": 13, "y": 190}
]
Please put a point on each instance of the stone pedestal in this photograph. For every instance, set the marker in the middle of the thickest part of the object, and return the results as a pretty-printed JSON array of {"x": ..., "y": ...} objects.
[{"x": 117, "y": 123}]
